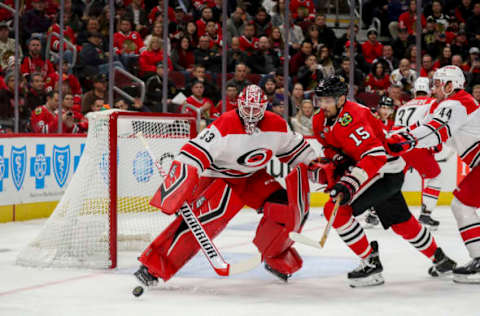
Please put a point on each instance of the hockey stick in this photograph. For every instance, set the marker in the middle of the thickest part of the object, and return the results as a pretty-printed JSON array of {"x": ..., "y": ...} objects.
[
  {"x": 409, "y": 142},
  {"x": 209, "y": 249},
  {"x": 318, "y": 244}
]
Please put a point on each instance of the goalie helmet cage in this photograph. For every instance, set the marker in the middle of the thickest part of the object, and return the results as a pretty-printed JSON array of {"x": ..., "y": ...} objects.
[{"x": 105, "y": 207}]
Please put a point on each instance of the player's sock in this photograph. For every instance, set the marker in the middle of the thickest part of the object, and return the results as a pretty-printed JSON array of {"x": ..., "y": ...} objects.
[
  {"x": 354, "y": 236},
  {"x": 468, "y": 223},
  {"x": 417, "y": 235},
  {"x": 430, "y": 192}
]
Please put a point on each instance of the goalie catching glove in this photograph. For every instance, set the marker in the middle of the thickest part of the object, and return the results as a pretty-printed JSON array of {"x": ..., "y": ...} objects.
[
  {"x": 400, "y": 143},
  {"x": 348, "y": 185},
  {"x": 177, "y": 187}
]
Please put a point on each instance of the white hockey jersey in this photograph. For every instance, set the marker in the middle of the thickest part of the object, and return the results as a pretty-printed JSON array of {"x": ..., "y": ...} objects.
[
  {"x": 456, "y": 122},
  {"x": 225, "y": 150},
  {"x": 413, "y": 112}
]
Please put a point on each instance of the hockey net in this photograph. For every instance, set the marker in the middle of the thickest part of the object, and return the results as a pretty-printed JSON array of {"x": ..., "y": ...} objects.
[{"x": 106, "y": 205}]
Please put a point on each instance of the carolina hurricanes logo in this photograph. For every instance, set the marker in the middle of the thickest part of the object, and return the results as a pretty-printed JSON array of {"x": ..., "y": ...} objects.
[{"x": 255, "y": 158}]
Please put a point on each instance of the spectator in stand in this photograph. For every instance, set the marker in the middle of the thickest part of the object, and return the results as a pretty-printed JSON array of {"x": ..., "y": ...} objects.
[
  {"x": 96, "y": 105},
  {"x": 276, "y": 41},
  {"x": 360, "y": 67},
  {"x": 460, "y": 45},
  {"x": 215, "y": 34},
  {"x": 70, "y": 123},
  {"x": 207, "y": 15},
  {"x": 136, "y": 10},
  {"x": 240, "y": 77},
  {"x": 127, "y": 44},
  {"x": 307, "y": 5},
  {"x": 326, "y": 34},
  {"x": 278, "y": 14},
  {"x": 207, "y": 56},
  {"x": 235, "y": 24},
  {"x": 310, "y": 74},
  {"x": 191, "y": 33},
  {"x": 269, "y": 88},
  {"x": 298, "y": 59},
  {"x": 99, "y": 91},
  {"x": 404, "y": 76},
  {"x": 158, "y": 11},
  {"x": 326, "y": 61},
  {"x": 476, "y": 92},
  {"x": 313, "y": 35},
  {"x": 302, "y": 122},
  {"x": 473, "y": 26},
  {"x": 278, "y": 78},
  {"x": 389, "y": 61},
  {"x": 121, "y": 104},
  {"x": 182, "y": 56},
  {"x": 35, "y": 20},
  {"x": 150, "y": 58},
  {"x": 408, "y": 19},
  {"x": 278, "y": 105},
  {"x": 34, "y": 62},
  {"x": 401, "y": 44},
  {"x": 297, "y": 96},
  {"x": 427, "y": 66},
  {"x": 199, "y": 74},
  {"x": 411, "y": 55},
  {"x": 154, "y": 89},
  {"x": 429, "y": 37},
  {"x": 36, "y": 94},
  {"x": 235, "y": 55},
  {"x": 92, "y": 59},
  {"x": 296, "y": 37},
  {"x": 79, "y": 120},
  {"x": 7, "y": 102},
  {"x": 92, "y": 25},
  {"x": 248, "y": 41},
  {"x": 463, "y": 11},
  {"x": 205, "y": 105},
  {"x": 372, "y": 49},
  {"x": 457, "y": 60},
  {"x": 70, "y": 82},
  {"x": 68, "y": 34},
  {"x": 378, "y": 80},
  {"x": 399, "y": 98},
  {"x": 231, "y": 98},
  {"x": 473, "y": 66},
  {"x": 440, "y": 19},
  {"x": 7, "y": 47},
  {"x": 445, "y": 58},
  {"x": 43, "y": 117},
  {"x": 157, "y": 30},
  {"x": 263, "y": 26},
  {"x": 263, "y": 60}
]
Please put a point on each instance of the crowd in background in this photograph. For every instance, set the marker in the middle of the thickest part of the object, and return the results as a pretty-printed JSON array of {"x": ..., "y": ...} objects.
[{"x": 385, "y": 63}]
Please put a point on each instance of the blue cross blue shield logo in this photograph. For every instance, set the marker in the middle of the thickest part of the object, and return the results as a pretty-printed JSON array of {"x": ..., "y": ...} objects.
[
  {"x": 40, "y": 166},
  {"x": 61, "y": 164},
  {"x": 3, "y": 168},
  {"x": 76, "y": 159},
  {"x": 142, "y": 166},
  {"x": 18, "y": 165}
]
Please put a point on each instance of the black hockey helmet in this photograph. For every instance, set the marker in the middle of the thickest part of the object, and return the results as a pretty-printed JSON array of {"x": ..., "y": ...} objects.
[
  {"x": 334, "y": 86},
  {"x": 386, "y": 101}
]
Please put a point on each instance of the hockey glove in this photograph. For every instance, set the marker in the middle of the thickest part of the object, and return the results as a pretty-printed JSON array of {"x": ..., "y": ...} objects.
[
  {"x": 321, "y": 171},
  {"x": 348, "y": 185},
  {"x": 398, "y": 144}
]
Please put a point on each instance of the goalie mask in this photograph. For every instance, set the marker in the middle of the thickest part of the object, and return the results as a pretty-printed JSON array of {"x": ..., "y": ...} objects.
[{"x": 252, "y": 103}]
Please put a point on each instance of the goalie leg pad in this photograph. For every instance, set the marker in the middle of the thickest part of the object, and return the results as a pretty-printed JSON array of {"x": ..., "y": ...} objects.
[
  {"x": 279, "y": 220},
  {"x": 176, "y": 245},
  {"x": 178, "y": 187}
]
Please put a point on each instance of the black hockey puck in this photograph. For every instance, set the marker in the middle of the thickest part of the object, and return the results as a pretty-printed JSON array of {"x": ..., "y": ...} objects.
[{"x": 137, "y": 291}]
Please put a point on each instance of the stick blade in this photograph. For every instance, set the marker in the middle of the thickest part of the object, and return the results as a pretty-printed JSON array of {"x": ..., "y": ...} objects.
[
  {"x": 304, "y": 240},
  {"x": 247, "y": 265}
]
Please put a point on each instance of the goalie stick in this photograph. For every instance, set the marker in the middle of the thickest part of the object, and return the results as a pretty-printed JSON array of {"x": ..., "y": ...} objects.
[
  {"x": 209, "y": 249},
  {"x": 318, "y": 244}
]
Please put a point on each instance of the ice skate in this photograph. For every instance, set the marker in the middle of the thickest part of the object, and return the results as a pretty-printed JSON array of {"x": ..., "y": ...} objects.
[
  {"x": 145, "y": 277},
  {"x": 282, "y": 276},
  {"x": 442, "y": 264},
  {"x": 469, "y": 273},
  {"x": 426, "y": 219},
  {"x": 369, "y": 272}
]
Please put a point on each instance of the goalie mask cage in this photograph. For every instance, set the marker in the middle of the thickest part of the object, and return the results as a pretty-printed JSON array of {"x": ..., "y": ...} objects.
[{"x": 106, "y": 205}]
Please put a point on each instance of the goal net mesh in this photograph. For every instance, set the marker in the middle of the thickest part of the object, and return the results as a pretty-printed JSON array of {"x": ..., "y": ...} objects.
[{"x": 77, "y": 232}]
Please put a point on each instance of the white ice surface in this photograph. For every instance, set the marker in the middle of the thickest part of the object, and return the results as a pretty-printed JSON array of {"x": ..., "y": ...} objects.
[{"x": 319, "y": 288}]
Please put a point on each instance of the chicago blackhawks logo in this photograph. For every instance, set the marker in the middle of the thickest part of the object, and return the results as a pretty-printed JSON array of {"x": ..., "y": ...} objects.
[
  {"x": 255, "y": 158},
  {"x": 345, "y": 119}
]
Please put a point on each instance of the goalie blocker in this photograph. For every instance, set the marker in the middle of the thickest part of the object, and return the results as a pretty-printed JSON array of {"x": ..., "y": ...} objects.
[{"x": 216, "y": 201}]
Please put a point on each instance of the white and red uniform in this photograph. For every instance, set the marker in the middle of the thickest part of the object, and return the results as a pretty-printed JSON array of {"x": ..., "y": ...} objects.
[
  {"x": 231, "y": 165},
  {"x": 421, "y": 159},
  {"x": 456, "y": 122},
  {"x": 132, "y": 39},
  {"x": 358, "y": 136}
]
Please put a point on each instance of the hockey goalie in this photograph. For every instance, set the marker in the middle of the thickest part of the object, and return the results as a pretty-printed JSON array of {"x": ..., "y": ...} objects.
[{"x": 219, "y": 172}]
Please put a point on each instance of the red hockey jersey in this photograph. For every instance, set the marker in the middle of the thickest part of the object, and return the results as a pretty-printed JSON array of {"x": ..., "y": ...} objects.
[
  {"x": 42, "y": 120},
  {"x": 128, "y": 43}
]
